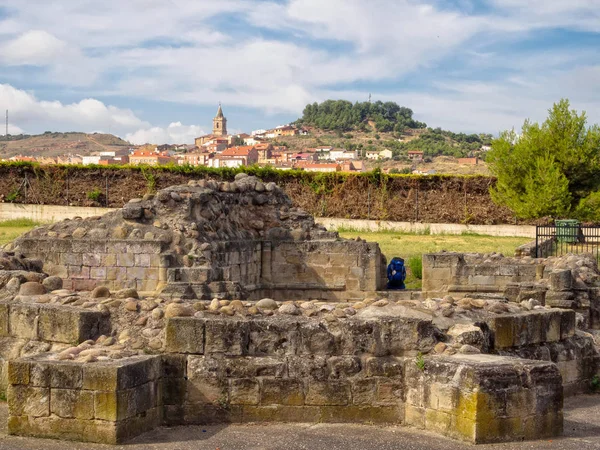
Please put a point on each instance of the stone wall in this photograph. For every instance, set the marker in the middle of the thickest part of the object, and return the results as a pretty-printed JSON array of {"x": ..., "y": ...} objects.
[
  {"x": 204, "y": 240},
  {"x": 294, "y": 369},
  {"x": 482, "y": 398},
  {"x": 84, "y": 264},
  {"x": 564, "y": 282},
  {"x": 100, "y": 402}
]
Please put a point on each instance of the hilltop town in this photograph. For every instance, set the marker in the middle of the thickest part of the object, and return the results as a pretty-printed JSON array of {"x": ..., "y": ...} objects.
[{"x": 291, "y": 146}]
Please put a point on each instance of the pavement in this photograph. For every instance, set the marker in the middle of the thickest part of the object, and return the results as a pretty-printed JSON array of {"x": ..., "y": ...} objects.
[{"x": 581, "y": 432}]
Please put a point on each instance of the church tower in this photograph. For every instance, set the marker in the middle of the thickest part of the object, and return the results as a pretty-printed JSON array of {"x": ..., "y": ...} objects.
[{"x": 220, "y": 123}]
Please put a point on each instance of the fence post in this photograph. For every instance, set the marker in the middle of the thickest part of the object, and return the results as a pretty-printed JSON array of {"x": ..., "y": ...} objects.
[
  {"x": 537, "y": 228},
  {"x": 106, "y": 194},
  {"x": 417, "y": 204},
  {"x": 369, "y": 203}
]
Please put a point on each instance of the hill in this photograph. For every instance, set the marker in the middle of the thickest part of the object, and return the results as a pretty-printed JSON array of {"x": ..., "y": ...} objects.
[{"x": 52, "y": 144}]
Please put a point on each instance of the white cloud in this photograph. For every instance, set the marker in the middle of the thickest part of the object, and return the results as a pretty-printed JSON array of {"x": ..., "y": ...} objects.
[
  {"x": 35, "y": 47},
  {"x": 177, "y": 51},
  {"x": 175, "y": 133},
  {"x": 86, "y": 115}
]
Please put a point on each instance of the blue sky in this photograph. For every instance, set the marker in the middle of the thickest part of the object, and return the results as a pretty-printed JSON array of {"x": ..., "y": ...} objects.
[{"x": 155, "y": 70}]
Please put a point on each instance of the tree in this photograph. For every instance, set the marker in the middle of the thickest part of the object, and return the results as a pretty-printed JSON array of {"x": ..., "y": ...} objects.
[
  {"x": 548, "y": 168},
  {"x": 237, "y": 141}
]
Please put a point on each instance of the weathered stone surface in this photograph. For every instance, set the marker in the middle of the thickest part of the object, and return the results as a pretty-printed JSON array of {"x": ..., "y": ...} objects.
[{"x": 32, "y": 288}]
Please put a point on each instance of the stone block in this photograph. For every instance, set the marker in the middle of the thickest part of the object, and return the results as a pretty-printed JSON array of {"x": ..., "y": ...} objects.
[
  {"x": 244, "y": 391},
  {"x": 364, "y": 391},
  {"x": 23, "y": 321},
  {"x": 98, "y": 273},
  {"x": 362, "y": 414},
  {"x": 229, "y": 337},
  {"x": 316, "y": 339},
  {"x": 185, "y": 335},
  {"x": 173, "y": 391},
  {"x": 384, "y": 367},
  {"x": 72, "y": 403},
  {"x": 273, "y": 338},
  {"x": 79, "y": 272},
  {"x": 330, "y": 392},
  {"x": 66, "y": 375},
  {"x": 561, "y": 280},
  {"x": 284, "y": 391},
  {"x": 18, "y": 372},
  {"x": 479, "y": 405},
  {"x": 125, "y": 260},
  {"x": 70, "y": 325},
  {"x": 91, "y": 259},
  {"x": 4, "y": 315},
  {"x": 343, "y": 366},
  {"x": 567, "y": 324},
  {"x": 28, "y": 401},
  {"x": 143, "y": 260},
  {"x": 121, "y": 374}
]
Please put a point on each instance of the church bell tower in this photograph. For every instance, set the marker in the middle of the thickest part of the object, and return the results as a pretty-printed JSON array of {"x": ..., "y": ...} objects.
[{"x": 220, "y": 123}]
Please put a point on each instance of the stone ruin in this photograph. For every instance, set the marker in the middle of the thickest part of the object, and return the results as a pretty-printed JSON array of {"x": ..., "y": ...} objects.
[{"x": 221, "y": 303}]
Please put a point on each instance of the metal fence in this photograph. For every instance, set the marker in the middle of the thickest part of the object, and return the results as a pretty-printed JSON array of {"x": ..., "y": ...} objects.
[{"x": 556, "y": 240}]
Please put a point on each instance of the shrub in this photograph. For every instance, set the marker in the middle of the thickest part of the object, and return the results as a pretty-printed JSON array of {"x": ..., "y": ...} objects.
[
  {"x": 95, "y": 195},
  {"x": 415, "y": 264}
]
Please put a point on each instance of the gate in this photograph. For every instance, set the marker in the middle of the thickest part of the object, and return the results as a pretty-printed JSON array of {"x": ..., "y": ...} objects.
[{"x": 567, "y": 237}]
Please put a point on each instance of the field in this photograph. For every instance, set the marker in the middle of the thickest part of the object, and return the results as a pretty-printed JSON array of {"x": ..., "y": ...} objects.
[
  {"x": 11, "y": 229},
  {"x": 410, "y": 247}
]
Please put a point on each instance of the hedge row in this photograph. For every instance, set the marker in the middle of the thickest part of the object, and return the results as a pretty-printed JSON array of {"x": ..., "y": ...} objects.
[{"x": 370, "y": 195}]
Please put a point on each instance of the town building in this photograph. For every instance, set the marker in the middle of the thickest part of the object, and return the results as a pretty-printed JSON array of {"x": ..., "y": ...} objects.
[
  {"x": 236, "y": 157},
  {"x": 145, "y": 157},
  {"x": 201, "y": 158},
  {"x": 415, "y": 155},
  {"x": 316, "y": 167},
  {"x": 469, "y": 161}
]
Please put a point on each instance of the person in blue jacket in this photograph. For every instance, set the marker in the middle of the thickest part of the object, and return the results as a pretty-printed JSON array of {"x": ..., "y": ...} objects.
[{"x": 396, "y": 274}]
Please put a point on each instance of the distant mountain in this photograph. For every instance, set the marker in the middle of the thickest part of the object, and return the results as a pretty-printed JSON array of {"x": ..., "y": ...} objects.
[{"x": 54, "y": 144}]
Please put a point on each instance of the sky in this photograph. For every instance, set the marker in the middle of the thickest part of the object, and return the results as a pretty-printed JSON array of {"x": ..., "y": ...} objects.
[{"x": 155, "y": 70}]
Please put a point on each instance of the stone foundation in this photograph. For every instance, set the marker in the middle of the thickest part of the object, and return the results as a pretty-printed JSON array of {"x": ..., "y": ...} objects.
[
  {"x": 485, "y": 399},
  {"x": 100, "y": 402}
]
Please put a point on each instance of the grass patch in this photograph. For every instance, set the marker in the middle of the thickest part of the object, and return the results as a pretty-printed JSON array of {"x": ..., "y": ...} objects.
[
  {"x": 12, "y": 229},
  {"x": 21, "y": 222},
  {"x": 409, "y": 246},
  {"x": 415, "y": 264}
]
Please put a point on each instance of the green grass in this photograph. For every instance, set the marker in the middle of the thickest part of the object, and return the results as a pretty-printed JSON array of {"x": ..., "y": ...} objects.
[
  {"x": 12, "y": 229},
  {"x": 409, "y": 246}
]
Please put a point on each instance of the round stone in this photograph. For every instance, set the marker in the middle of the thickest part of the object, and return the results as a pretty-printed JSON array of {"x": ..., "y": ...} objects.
[
  {"x": 131, "y": 305},
  {"x": 32, "y": 288},
  {"x": 178, "y": 310},
  {"x": 227, "y": 310},
  {"x": 127, "y": 293},
  {"x": 381, "y": 303},
  {"x": 267, "y": 303},
  {"x": 100, "y": 292},
  {"x": 468, "y": 350},
  {"x": 440, "y": 347},
  {"x": 214, "y": 305},
  {"x": 157, "y": 313},
  {"x": 53, "y": 283},
  {"x": 142, "y": 321},
  {"x": 290, "y": 309}
]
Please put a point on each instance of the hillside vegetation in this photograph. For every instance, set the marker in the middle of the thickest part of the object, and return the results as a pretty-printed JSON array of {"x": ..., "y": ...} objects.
[
  {"x": 55, "y": 144},
  {"x": 377, "y": 126}
]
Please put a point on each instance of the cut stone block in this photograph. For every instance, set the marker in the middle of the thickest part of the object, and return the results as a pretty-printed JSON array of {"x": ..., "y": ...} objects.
[
  {"x": 107, "y": 402},
  {"x": 485, "y": 398}
]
